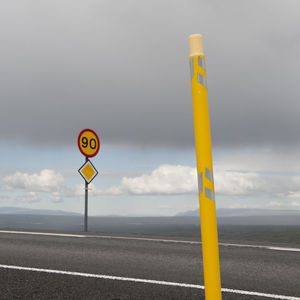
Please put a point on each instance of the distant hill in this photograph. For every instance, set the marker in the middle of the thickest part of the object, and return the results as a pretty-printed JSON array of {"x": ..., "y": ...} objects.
[
  {"x": 243, "y": 212},
  {"x": 261, "y": 217},
  {"x": 44, "y": 219},
  {"x": 29, "y": 211}
]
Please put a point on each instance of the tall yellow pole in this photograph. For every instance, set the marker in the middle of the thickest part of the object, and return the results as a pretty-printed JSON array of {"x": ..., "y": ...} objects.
[{"x": 209, "y": 233}]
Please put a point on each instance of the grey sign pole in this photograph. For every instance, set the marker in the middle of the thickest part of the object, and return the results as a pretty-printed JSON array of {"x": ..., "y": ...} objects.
[{"x": 86, "y": 204}]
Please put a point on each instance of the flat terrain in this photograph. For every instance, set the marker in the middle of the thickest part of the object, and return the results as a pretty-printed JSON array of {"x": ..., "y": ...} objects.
[
  {"x": 74, "y": 267},
  {"x": 261, "y": 229}
]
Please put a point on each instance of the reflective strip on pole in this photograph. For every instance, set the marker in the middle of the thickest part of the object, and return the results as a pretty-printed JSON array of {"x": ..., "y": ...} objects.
[{"x": 209, "y": 234}]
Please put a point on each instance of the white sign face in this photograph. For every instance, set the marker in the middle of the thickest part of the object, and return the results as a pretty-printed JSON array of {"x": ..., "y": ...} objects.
[{"x": 88, "y": 171}]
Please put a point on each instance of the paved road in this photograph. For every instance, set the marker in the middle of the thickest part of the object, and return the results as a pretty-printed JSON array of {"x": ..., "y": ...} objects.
[{"x": 38, "y": 266}]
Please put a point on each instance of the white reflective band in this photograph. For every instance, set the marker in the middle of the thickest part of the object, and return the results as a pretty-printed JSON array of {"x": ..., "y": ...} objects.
[
  {"x": 201, "y": 62},
  {"x": 192, "y": 67},
  {"x": 201, "y": 79},
  {"x": 200, "y": 183},
  {"x": 209, "y": 175},
  {"x": 209, "y": 194}
]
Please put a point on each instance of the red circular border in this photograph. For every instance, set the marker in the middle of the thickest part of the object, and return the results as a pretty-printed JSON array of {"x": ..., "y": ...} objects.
[{"x": 78, "y": 142}]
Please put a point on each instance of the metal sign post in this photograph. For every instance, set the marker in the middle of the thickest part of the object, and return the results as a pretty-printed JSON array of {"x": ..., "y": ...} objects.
[
  {"x": 89, "y": 145},
  {"x": 86, "y": 195}
]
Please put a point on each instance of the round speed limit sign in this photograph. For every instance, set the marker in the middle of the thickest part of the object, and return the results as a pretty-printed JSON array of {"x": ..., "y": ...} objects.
[{"x": 88, "y": 142}]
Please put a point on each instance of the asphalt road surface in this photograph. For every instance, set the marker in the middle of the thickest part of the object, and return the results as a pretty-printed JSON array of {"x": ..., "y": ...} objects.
[{"x": 51, "y": 266}]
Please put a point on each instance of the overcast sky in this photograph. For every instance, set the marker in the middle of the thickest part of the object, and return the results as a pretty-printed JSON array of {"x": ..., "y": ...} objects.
[{"x": 121, "y": 68}]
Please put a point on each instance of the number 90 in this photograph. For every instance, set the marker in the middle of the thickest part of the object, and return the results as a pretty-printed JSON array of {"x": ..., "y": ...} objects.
[{"x": 85, "y": 143}]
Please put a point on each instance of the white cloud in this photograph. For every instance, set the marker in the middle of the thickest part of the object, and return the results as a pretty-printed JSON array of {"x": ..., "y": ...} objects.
[
  {"x": 79, "y": 190},
  {"x": 283, "y": 204},
  {"x": 245, "y": 206},
  {"x": 292, "y": 195},
  {"x": 47, "y": 181},
  {"x": 166, "y": 179},
  {"x": 56, "y": 196},
  {"x": 178, "y": 179},
  {"x": 30, "y": 197},
  {"x": 236, "y": 183},
  {"x": 270, "y": 205}
]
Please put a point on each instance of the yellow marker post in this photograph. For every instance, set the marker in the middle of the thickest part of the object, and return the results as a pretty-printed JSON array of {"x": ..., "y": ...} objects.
[{"x": 209, "y": 232}]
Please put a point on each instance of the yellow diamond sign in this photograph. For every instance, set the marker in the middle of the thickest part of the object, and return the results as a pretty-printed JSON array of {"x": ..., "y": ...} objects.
[{"x": 88, "y": 171}]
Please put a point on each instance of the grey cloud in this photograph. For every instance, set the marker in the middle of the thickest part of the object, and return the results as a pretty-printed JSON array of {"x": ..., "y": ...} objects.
[{"x": 121, "y": 68}]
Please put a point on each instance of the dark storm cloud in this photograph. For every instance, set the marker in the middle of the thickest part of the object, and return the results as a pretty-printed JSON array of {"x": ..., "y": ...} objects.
[{"x": 121, "y": 68}]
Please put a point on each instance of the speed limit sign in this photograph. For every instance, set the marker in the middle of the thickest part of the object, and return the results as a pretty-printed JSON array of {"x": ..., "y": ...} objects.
[{"x": 88, "y": 142}]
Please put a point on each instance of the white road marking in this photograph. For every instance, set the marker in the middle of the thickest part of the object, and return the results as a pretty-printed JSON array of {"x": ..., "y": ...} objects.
[
  {"x": 159, "y": 282},
  {"x": 262, "y": 247},
  {"x": 43, "y": 233},
  {"x": 144, "y": 239},
  {"x": 149, "y": 239}
]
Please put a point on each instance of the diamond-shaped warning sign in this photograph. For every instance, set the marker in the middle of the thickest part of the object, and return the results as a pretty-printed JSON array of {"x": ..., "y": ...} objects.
[{"x": 88, "y": 171}]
